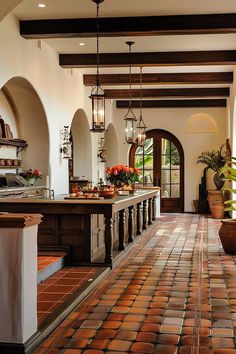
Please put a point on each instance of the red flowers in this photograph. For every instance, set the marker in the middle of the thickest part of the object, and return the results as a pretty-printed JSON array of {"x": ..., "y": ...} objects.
[
  {"x": 122, "y": 174},
  {"x": 32, "y": 173}
]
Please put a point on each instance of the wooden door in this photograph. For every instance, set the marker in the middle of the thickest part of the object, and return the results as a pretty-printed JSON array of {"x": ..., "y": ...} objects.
[{"x": 161, "y": 162}]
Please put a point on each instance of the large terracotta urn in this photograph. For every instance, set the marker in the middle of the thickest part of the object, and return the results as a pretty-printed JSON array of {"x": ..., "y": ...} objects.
[{"x": 227, "y": 235}]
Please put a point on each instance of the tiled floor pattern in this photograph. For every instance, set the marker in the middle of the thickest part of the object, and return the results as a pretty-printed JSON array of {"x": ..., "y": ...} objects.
[
  {"x": 177, "y": 294},
  {"x": 59, "y": 287}
]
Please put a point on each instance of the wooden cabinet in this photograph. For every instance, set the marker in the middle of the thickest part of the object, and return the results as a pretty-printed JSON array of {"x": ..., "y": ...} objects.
[{"x": 19, "y": 144}]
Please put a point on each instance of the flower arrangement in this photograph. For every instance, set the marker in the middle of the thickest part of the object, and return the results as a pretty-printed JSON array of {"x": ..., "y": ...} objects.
[
  {"x": 32, "y": 173},
  {"x": 122, "y": 175}
]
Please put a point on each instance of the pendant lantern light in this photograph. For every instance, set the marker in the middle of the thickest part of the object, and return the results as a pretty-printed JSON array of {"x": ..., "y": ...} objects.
[
  {"x": 141, "y": 127},
  {"x": 130, "y": 118},
  {"x": 97, "y": 93}
]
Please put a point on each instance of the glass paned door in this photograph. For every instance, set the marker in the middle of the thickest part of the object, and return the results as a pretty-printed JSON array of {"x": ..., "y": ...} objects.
[{"x": 161, "y": 162}]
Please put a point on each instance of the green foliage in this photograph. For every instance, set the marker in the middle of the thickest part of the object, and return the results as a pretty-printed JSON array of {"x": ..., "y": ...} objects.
[
  {"x": 229, "y": 174},
  {"x": 214, "y": 159}
]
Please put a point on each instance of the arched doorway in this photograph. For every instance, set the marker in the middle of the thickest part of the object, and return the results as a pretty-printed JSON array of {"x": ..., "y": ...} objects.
[{"x": 161, "y": 162}]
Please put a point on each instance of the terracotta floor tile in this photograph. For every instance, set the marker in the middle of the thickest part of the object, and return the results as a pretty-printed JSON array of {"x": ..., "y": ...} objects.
[
  {"x": 120, "y": 345},
  {"x": 99, "y": 343},
  {"x": 142, "y": 347},
  {"x": 146, "y": 337},
  {"x": 105, "y": 333},
  {"x": 168, "y": 339},
  {"x": 111, "y": 324},
  {"x": 126, "y": 335}
]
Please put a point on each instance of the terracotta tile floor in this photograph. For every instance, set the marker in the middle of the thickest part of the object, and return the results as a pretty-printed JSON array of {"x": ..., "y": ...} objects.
[
  {"x": 176, "y": 293},
  {"x": 54, "y": 291}
]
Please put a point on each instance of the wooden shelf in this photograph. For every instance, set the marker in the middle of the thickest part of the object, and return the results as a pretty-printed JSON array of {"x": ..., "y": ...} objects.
[{"x": 14, "y": 142}]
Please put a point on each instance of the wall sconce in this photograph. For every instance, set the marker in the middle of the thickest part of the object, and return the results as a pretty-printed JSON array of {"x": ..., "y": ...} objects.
[
  {"x": 102, "y": 152},
  {"x": 66, "y": 144}
]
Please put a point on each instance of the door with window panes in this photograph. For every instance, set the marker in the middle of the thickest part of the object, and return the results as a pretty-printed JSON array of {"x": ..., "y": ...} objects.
[{"x": 161, "y": 163}]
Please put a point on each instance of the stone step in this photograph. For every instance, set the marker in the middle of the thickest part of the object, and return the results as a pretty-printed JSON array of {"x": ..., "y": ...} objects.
[{"x": 49, "y": 263}]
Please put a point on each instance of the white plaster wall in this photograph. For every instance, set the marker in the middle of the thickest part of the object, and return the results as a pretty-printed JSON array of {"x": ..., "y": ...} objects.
[
  {"x": 174, "y": 120},
  {"x": 61, "y": 92}
]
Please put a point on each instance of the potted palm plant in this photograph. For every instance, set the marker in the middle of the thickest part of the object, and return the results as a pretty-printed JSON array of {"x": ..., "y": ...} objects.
[
  {"x": 215, "y": 160},
  {"x": 227, "y": 230}
]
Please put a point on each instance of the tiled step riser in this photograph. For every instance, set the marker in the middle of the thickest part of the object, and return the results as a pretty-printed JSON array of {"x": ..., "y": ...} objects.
[{"x": 50, "y": 269}]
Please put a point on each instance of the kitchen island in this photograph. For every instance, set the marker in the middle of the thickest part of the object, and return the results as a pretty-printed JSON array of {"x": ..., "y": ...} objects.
[{"x": 88, "y": 229}]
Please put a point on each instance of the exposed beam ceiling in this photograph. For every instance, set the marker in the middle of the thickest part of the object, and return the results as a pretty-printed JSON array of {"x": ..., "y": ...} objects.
[
  {"x": 130, "y": 26},
  {"x": 178, "y": 92},
  {"x": 173, "y": 103},
  {"x": 161, "y": 78},
  {"x": 217, "y": 57}
]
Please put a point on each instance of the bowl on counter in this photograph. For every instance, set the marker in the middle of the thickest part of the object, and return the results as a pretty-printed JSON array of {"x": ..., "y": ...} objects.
[{"x": 107, "y": 194}]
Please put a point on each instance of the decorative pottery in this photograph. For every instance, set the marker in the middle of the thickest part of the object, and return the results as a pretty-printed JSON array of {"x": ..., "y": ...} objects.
[
  {"x": 215, "y": 197},
  {"x": 218, "y": 211},
  {"x": 227, "y": 235},
  {"x": 218, "y": 180}
]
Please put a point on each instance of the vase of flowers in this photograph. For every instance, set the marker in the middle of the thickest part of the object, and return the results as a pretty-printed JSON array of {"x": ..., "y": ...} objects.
[
  {"x": 121, "y": 175},
  {"x": 31, "y": 175}
]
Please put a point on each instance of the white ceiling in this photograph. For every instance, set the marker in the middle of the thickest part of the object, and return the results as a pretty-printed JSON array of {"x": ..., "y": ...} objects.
[{"x": 28, "y": 9}]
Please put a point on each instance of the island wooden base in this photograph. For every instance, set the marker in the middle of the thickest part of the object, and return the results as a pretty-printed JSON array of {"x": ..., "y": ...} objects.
[{"x": 89, "y": 230}]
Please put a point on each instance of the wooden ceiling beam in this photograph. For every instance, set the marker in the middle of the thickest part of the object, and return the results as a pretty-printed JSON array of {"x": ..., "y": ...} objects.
[
  {"x": 216, "y": 57},
  {"x": 173, "y": 103},
  {"x": 179, "y": 92},
  {"x": 161, "y": 79},
  {"x": 129, "y": 26}
]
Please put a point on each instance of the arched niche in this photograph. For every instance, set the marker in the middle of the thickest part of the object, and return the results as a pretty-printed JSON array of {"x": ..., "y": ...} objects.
[
  {"x": 82, "y": 145},
  {"x": 201, "y": 123},
  {"x": 28, "y": 122},
  {"x": 111, "y": 144}
]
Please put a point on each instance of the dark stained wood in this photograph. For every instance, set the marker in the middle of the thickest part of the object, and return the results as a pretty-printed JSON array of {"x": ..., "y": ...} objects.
[
  {"x": 139, "y": 221},
  {"x": 174, "y": 103},
  {"x": 145, "y": 208},
  {"x": 178, "y": 92},
  {"x": 160, "y": 79},
  {"x": 131, "y": 224},
  {"x": 217, "y": 57},
  {"x": 150, "y": 211},
  {"x": 129, "y": 26},
  {"x": 122, "y": 219}
]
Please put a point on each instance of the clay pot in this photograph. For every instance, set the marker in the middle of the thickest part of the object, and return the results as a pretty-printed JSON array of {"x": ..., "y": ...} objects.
[
  {"x": 217, "y": 211},
  {"x": 227, "y": 235}
]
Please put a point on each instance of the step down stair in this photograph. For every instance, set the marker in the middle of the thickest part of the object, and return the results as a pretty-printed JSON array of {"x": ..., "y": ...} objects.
[{"x": 49, "y": 263}]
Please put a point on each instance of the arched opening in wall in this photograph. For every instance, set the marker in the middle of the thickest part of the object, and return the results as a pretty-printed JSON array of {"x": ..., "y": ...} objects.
[
  {"x": 201, "y": 123},
  {"x": 161, "y": 162},
  {"x": 23, "y": 110},
  {"x": 81, "y": 163},
  {"x": 111, "y": 144}
]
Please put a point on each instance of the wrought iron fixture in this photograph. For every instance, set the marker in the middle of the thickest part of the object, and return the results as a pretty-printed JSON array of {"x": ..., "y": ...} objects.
[
  {"x": 141, "y": 127},
  {"x": 130, "y": 118},
  {"x": 97, "y": 93},
  {"x": 66, "y": 143}
]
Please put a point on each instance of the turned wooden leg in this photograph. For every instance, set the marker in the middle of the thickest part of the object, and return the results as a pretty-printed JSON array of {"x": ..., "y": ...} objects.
[
  {"x": 131, "y": 224},
  {"x": 150, "y": 211},
  {"x": 154, "y": 208},
  {"x": 108, "y": 241},
  {"x": 139, "y": 222},
  {"x": 144, "y": 214},
  {"x": 122, "y": 218}
]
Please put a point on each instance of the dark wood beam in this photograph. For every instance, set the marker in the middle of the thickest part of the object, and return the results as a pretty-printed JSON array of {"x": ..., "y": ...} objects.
[
  {"x": 129, "y": 26},
  {"x": 161, "y": 79},
  {"x": 217, "y": 57},
  {"x": 178, "y": 92},
  {"x": 173, "y": 103}
]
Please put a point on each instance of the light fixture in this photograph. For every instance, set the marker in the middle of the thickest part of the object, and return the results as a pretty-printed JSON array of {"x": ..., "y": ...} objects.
[
  {"x": 141, "y": 127},
  {"x": 130, "y": 117},
  {"x": 97, "y": 93},
  {"x": 66, "y": 143},
  {"x": 81, "y": 44},
  {"x": 41, "y": 5}
]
